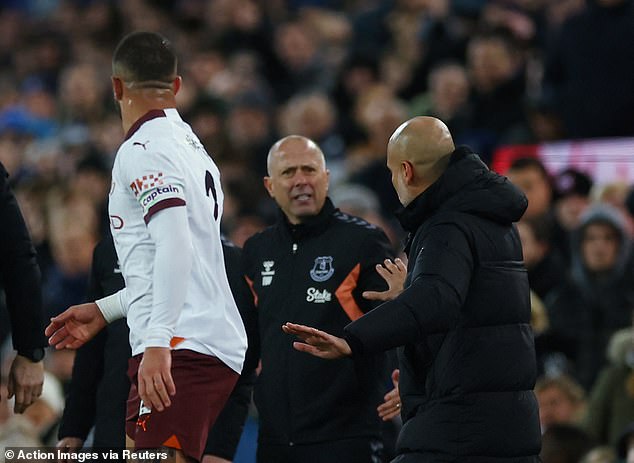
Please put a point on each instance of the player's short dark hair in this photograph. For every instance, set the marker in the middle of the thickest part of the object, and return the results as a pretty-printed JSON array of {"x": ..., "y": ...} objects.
[{"x": 144, "y": 57}]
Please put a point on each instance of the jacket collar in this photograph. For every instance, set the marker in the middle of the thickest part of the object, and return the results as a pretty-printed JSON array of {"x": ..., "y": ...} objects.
[
  {"x": 467, "y": 186},
  {"x": 416, "y": 212},
  {"x": 311, "y": 225}
]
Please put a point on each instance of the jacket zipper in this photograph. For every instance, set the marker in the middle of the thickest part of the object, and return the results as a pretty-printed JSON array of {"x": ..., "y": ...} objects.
[{"x": 293, "y": 285}]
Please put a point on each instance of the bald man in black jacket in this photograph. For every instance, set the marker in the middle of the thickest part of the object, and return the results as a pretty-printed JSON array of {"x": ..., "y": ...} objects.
[{"x": 461, "y": 325}]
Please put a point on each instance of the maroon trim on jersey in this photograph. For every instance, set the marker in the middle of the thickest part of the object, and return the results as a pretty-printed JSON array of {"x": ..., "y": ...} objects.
[
  {"x": 148, "y": 116},
  {"x": 169, "y": 202}
]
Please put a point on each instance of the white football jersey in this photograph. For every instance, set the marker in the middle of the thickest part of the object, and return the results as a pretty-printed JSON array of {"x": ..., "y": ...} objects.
[{"x": 162, "y": 164}]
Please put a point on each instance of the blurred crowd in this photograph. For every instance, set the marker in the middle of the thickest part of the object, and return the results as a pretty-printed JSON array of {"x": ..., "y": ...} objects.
[{"x": 346, "y": 73}]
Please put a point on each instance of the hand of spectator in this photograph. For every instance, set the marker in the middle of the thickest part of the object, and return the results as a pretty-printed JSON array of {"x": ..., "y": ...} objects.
[
  {"x": 25, "y": 382},
  {"x": 155, "y": 378},
  {"x": 394, "y": 274},
  {"x": 69, "y": 444},
  {"x": 392, "y": 401},
  {"x": 75, "y": 326},
  {"x": 317, "y": 343}
]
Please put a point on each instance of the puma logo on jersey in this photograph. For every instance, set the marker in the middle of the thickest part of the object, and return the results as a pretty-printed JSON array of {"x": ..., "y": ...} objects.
[{"x": 141, "y": 144}]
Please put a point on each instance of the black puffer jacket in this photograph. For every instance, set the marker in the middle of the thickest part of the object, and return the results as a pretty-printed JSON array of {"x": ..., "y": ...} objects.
[{"x": 467, "y": 358}]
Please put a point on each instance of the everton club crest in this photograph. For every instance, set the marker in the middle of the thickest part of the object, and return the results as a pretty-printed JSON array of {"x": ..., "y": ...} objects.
[{"x": 323, "y": 269}]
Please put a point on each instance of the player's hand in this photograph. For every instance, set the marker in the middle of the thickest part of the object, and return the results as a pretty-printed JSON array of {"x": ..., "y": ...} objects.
[
  {"x": 318, "y": 343},
  {"x": 75, "y": 326},
  {"x": 69, "y": 444},
  {"x": 25, "y": 382},
  {"x": 155, "y": 378},
  {"x": 391, "y": 406},
  {"x": 394, "y": 274}
]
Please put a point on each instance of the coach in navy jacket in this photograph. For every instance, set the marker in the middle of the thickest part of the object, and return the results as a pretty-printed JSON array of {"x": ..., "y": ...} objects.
[{"x": 466, "y": 349}]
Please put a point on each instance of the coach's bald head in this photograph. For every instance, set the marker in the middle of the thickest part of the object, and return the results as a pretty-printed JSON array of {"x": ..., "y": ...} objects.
[{"x": 417, "y": 154}]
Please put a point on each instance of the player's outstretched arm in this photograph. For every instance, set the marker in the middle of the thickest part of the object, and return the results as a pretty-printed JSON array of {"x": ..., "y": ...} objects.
[
  {"x": 317, "y": 343},
  {"x": 75, "y": 326}
]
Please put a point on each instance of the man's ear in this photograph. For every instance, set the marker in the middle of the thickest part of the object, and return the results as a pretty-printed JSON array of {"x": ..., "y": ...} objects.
[
  {"x": 408, "y": 172},
  {"x": 268, "y": 184},
  {"x": 117, "y": 88},
  {"x": 177, "y": 84}
]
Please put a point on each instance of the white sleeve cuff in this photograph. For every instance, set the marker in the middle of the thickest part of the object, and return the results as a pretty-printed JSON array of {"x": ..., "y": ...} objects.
[
  {"x": 111, "y": 307},
  {"x": 158, "y": 337}
]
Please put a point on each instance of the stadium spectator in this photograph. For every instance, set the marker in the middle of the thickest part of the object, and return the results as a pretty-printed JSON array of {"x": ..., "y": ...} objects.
[
  {"x": 530, "y": 176},
  {"x": 593, "y": 91},
  {"x": 625, "y": 445},
  {"x": 611, "y": 404},
  {"x": 565, "y": 443},
  {"x": 546, "y": 268},
  {"x": 596, "y": 299},
  {"x": 561, "y": 401},
  {"x": 495, "y": 66},
  {"x": 572, "y": 188},
  {"x": 447, "y": 97}
]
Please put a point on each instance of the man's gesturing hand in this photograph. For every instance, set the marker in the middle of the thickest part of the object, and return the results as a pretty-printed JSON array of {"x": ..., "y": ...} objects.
[
  {"x": 75, "y": 326},
  {"x": 318, "y": 343},
  {"x": 394, "y": 274},
  {"x": 25, "y": 382},
  {"x": 392, "y": 401},
  {"x": 155, "y": 378}
]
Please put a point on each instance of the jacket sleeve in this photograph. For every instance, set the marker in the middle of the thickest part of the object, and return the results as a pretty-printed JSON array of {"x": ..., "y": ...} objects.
[
  {"x": 20, "y": 273},
  {"x": 375, "y": 250},
  {"x": 441, "y": 272}
]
